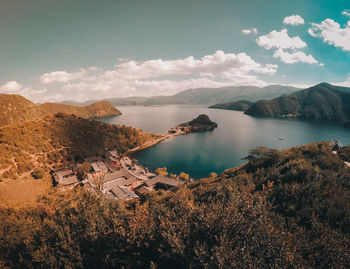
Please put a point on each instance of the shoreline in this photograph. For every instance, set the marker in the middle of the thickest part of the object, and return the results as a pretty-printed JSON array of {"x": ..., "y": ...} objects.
[{"x": 153, "y": 142}]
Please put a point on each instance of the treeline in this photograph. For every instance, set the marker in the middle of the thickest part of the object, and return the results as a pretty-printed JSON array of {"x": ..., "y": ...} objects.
[
  {"x": 282, "y": 209},
  {"x": 61, "y": 139}
]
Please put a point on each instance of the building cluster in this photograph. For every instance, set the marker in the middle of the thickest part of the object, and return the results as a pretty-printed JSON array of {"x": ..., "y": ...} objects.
[{"x": 115, "y": 177}]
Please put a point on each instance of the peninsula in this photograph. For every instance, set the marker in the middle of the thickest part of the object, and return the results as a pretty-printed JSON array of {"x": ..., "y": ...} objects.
[{"x": 200, "y": 124}]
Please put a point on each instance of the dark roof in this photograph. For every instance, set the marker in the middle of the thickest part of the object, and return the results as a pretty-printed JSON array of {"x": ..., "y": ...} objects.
[
  {"x": 142, "y": 190},
  {"x": 164, "y": 180}
]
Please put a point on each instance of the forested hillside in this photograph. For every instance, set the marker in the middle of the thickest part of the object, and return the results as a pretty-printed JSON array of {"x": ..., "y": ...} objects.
[
  {"x": 283, "y": 209},
  {"x": 241, "y": 105},
  {"x": 60, "y": 138},
  {"x": 320, "y": 102}
]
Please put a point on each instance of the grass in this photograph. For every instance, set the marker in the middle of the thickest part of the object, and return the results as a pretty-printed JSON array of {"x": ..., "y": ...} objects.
[{"x": 23, "y": 191}]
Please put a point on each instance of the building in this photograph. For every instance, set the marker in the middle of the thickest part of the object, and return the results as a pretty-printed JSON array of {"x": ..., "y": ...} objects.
[
  {"x": 99, "y": 167},
  {"x": 66, "y": 178},
  {"x": 112, "y": 156},
  {"x": 163, "y": 182}
]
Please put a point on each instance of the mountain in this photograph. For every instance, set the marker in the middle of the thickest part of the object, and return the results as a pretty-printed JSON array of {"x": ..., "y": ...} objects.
[
  {"x": 205, "y": 96},
  {"x": 321, "y": 102},
  {"x": 225, "y": 94},
  {"x": 94, "y": 110},
  {"x": 241, "y": 105},
  {"x": 15, "y": 108},
  {"x": 282, "y": 209}
]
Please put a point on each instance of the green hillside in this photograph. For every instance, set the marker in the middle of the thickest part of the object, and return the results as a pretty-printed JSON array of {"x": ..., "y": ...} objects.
[
  {"x": 321, "y": 102},
  {"x": 241, "y": 105}
]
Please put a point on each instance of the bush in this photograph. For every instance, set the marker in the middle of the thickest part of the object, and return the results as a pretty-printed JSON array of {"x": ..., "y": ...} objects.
[{"x": 37, "y": 174}]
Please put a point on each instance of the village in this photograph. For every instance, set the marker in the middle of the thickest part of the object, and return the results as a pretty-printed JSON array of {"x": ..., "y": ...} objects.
[{"x": 114, "y": 176}]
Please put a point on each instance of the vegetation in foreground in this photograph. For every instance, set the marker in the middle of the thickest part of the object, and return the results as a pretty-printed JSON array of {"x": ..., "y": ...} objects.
[{"x": 287, "y": 208}]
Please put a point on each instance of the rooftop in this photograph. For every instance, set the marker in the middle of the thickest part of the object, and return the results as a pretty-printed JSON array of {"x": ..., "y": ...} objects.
[
  {"x": 164, "y": 180},
  {"x": 99, "y": 166}
]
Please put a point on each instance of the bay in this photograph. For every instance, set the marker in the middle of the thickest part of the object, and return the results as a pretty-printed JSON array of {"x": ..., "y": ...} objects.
[{"x": 198, "y": 154}]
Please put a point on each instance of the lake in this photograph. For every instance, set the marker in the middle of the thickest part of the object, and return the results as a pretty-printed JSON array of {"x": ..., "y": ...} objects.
[{"x": 198, "y": 154}]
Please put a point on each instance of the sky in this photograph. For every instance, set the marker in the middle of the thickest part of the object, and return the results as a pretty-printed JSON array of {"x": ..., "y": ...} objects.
[{"x": 56, "y": 50}]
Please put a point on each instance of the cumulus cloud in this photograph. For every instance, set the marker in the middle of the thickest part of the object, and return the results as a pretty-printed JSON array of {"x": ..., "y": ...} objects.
[
  {"x": 249, "y": 31},
  {"x": 63, "y": 76},
  {"x": 294, "y": 57},
  {"x": 161, "y": 77},
  {"x": 287, "y": 48},
  {"x": 293, "y": 20},
  {"x": 345, "y": 83},
  {"x": 346, "y": 13},
  {"x": 281, "y": 40},
  {"x": 332, "y": 33},
  {"x": 13, "y": 87}
]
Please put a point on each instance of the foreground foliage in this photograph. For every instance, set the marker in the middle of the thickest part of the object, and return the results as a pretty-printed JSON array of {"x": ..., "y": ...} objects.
[{"x": 282, "y": 209}]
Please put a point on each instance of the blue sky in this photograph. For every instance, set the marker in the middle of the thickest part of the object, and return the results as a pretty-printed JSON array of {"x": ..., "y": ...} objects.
[{"x": 82, "y": 49}]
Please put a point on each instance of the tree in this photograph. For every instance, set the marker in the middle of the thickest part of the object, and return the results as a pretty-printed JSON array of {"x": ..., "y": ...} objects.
[
  {"x": 83, "y": 170},
  {"x": 37, "y": 173},
  {"x": 213, "y": 175},
  {"x": 184, "y": 176},
  {"x": 162, "y": 171}
]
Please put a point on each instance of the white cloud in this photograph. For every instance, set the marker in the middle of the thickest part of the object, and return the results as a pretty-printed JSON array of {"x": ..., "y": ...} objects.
[
  {"x": 63, "y": 76},
  {"x": 216, "y": 64},
  {"x": 345, "y": 83},
  {"x": 281, "y": 40},
  {"x": 293, "y": 20},
  {"x": 13, "y": 87},
  {"x": 161, "y": 77},
  {"x": 332, "y": 33},
  {"x": 10, "y": 87},
  {"x": 294, "y": 57},
  {"x": 346, "y": 13},
  {"x": 249, "y": 31}
]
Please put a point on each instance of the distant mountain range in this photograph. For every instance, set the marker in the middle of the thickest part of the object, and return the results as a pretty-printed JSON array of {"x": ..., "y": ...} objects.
[
  {"x": 321, "y": 102},
  {"x": 241, "y": 105},
  {"x": 203, "y": 96},
  {"x": 16, "y": 109}
]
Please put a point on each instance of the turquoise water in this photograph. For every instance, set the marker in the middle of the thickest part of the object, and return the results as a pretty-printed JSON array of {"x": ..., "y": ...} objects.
[{"x": 201, "y": 153}]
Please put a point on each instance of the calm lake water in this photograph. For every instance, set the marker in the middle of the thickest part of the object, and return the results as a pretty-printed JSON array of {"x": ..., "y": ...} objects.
[{"x": 214, "y": 151}]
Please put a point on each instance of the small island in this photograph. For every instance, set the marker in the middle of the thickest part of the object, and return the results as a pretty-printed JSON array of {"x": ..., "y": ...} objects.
[{"x": 200, "y": 124}]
